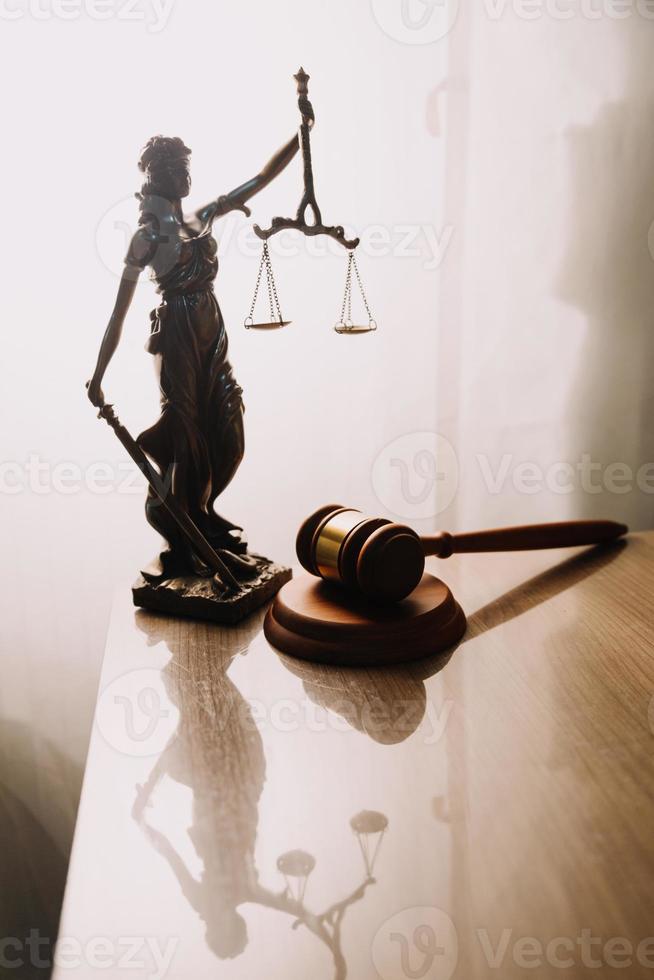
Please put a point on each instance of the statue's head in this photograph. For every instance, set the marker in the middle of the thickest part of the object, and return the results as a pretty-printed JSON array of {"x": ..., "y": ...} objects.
[
  {"x": 227, "y": 934},
  {"x": 165, "y": 163}
]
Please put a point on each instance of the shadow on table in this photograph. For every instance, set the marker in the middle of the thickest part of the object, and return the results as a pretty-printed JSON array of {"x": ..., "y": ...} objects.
[
  {"x": 34, "y": 778},
  {"x": 388, "y": 704}
]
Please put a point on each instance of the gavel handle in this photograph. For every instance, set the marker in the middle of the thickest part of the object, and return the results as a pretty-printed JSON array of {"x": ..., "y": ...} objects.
[{"x": 566, "y": 534}]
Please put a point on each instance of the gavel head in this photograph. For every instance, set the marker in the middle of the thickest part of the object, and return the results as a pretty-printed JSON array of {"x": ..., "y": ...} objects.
[{"x": 370, "y": 555}]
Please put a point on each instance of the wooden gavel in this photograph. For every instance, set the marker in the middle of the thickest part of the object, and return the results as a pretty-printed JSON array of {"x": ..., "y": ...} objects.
[{"x": 386, "y": 561}]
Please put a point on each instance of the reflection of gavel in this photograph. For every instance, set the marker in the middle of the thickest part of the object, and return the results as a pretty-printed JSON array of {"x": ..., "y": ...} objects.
[{"x": 386, "y": 561}]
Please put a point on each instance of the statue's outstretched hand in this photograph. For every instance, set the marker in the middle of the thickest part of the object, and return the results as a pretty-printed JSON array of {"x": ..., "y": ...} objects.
[
  {"x": 226, "y": 203},
  {"x": 306, "y": 109},
  {"x": 95, "y": 393}
]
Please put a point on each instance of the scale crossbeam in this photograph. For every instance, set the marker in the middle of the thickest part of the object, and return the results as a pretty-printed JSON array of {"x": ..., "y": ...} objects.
[{"x": 337, "y": 232}]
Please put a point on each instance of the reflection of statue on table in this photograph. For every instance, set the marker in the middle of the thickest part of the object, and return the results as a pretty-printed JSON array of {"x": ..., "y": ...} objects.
[{"x": 217, "y": 751}]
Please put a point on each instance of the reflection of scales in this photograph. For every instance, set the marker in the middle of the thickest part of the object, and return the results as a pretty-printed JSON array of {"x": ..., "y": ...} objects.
[
  {"x": 346, "y": 324},
  {"x": 368, "y": 827}
]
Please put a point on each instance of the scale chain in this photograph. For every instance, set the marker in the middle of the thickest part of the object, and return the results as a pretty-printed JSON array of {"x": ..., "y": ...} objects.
[
  {"x": 363, "y": 293},
  {"x": 349, "y": 292},
  {"x": 272, "y": 286},
  {"x": 270, "y": 292},
  {"x": 273, "y": 298},
  {"x": 346, "y": 320},
  {"x": 347, "y": 296},
  {"x": 256, "y": 288}
]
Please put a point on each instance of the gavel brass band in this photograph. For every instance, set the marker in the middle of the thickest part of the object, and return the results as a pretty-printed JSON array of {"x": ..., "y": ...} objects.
[
  {"x": 384, "y": 561},
  {"x": 331, "y": 536}
]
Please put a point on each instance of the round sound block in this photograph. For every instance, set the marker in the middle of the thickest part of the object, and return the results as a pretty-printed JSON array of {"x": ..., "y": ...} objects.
[{"x": 316, "y": 620}]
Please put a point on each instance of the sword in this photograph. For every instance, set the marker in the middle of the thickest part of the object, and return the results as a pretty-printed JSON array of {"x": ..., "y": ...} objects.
[{"x": 188, "y": 527}]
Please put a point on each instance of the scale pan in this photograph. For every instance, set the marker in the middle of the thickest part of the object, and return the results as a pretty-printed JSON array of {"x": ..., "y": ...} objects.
[
  {"x": 356, "y": 328},
  {"x": 272, "y": 325}
]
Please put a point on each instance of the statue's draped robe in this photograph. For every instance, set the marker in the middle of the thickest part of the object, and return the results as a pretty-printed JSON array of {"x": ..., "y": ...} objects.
[{"x": 197, "y": 442}]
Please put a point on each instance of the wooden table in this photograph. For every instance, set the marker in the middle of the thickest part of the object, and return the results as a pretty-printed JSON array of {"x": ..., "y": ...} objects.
[{"x": 515, "y": 774}]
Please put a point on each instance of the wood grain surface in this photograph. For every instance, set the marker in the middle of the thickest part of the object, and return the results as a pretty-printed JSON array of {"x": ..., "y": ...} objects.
[{"x": 515, "y": 773}]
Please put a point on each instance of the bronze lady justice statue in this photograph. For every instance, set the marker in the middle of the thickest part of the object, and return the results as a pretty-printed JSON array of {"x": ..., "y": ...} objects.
[{"x": 197, "y": 442}]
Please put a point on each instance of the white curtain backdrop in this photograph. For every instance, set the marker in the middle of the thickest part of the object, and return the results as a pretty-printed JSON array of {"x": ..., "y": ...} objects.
[
  {"x": 546, "y": 371},
  {"x": 500, "y": 169},
  {"x": 320, "y": 409}
]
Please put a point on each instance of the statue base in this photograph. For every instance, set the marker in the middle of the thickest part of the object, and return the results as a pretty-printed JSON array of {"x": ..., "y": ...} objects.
[{"x": 195, "y": 597}]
